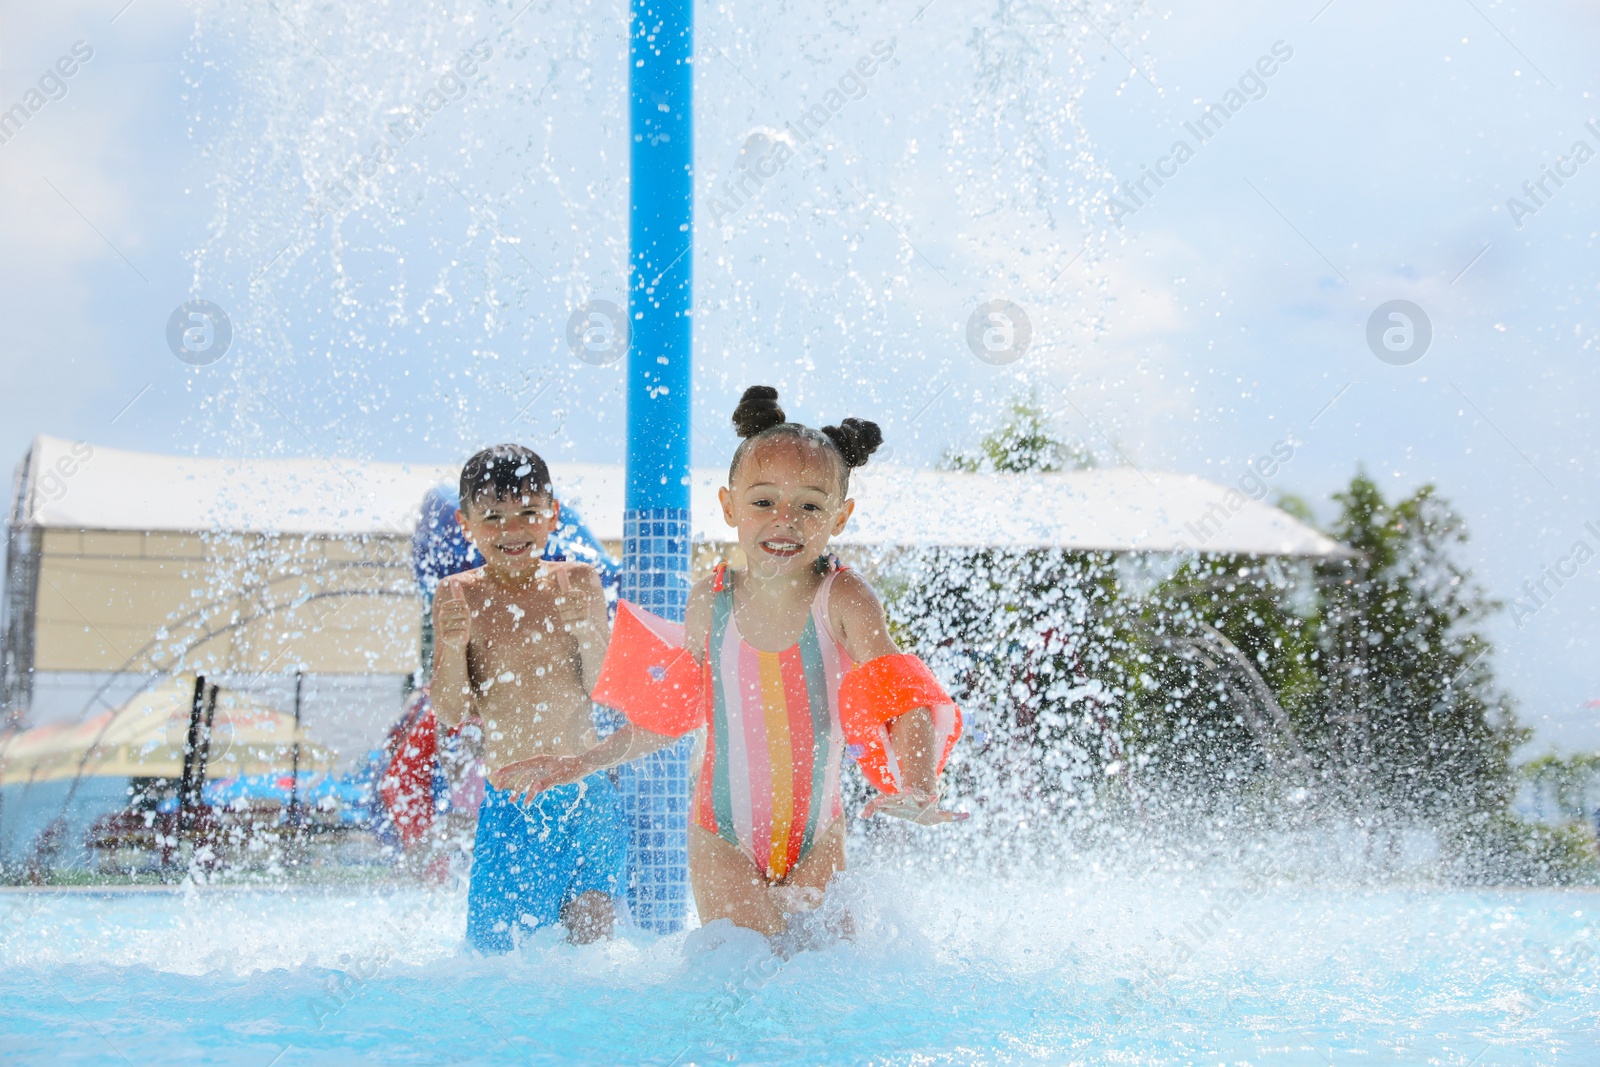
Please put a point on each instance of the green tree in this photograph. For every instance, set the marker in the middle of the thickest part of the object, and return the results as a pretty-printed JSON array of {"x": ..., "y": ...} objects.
[
  {"x": 1088, "y": 676},
  {"x": 1409, "y": 708},
  {"x": 1570, "y": 785},
  {"x": 1227, "y": 666},
  {"x": 1009, "y": 628},
  {"x": 1025, "y": 441}
]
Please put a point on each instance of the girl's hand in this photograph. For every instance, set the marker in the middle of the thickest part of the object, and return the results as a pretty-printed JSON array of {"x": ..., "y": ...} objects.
[
  {"x": 918, "y": 807},
  {"x": 534, "y": 775},
  {"x": 453, "y": 618}
]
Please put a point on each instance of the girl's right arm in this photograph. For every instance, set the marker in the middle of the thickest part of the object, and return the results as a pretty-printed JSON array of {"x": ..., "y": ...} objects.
[
  {"x": 451, "y": 688},
  {"x": 538, "y": 773},
  {"x": 857, "y": 613}
]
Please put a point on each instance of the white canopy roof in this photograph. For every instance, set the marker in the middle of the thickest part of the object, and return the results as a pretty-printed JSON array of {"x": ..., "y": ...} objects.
[{"x": 75, "y": 485}]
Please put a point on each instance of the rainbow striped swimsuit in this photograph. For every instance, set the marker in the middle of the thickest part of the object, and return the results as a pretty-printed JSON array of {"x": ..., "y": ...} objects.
[{"x": 769, "y": 780}]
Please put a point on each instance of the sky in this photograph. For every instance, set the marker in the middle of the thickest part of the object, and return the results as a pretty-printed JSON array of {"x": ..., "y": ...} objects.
[{"x": 994, "y": 154}]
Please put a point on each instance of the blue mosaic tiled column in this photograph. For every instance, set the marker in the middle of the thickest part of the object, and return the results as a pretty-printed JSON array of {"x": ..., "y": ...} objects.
[
  {"x": 656, "y": 529},
  {"x": 655, "y": 790}
]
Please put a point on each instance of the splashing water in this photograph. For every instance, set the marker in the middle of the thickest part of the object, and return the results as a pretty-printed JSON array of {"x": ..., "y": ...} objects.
[
  {"x": 1056, "y": 967},
  {"x": 409, "y": 201}
]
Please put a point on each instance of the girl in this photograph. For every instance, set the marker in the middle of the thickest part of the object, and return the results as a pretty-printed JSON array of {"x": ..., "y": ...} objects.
[{"x": 784, "y": 662}]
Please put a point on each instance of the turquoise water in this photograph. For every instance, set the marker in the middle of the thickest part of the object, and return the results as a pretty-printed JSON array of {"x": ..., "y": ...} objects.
[{"x": 1081, "y": 971}]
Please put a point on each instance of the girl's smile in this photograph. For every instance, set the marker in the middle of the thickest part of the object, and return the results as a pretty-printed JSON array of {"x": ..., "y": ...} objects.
[{"x": 784, "y": 505}]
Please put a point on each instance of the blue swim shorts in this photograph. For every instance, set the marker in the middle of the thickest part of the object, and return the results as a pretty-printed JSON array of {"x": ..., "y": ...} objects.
[{"x": 529, "y": 861}]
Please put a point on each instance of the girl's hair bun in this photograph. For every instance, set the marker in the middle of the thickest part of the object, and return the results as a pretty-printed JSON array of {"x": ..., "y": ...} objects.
[
  {"x": 758, "y": 410},
  {"x": 857, "y": 440}
]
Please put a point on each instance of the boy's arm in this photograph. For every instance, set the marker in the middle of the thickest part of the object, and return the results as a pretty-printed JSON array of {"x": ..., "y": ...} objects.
[
  {"x": 858, "y": 618},
  {"x": 451, "y": 688},
  {"x": 593, "y": 628}
]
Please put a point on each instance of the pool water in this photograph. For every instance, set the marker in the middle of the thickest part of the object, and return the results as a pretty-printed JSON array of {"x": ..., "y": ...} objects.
[{"x": 1024, "y": 970}]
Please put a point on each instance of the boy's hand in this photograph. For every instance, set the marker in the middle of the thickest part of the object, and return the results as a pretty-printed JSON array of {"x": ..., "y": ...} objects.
[
  {"x": 534, "y": 775},
  {"x": 913, "y": 806},
  {"x": 454, "y": 618}
]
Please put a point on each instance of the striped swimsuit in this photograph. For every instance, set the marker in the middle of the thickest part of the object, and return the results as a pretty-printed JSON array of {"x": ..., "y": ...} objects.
[{"x": 769, "y": 780}]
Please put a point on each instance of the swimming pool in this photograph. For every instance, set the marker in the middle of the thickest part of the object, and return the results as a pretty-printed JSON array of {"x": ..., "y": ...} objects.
[{"x": 1031, "y": 970}]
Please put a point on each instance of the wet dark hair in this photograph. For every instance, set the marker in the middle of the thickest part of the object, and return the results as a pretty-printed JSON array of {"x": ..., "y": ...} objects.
[
  {"x": 502, "y": 471},
  {"x": 758, "y": 417}
]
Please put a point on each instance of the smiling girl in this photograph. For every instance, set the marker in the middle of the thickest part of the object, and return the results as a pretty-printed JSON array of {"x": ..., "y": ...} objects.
[{"x": 787, "y": 664}]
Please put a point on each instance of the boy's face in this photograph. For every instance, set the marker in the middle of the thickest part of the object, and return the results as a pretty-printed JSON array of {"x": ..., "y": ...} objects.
[
  {"x": 785, "y": 503},
  {"x": 510, "y": 532}
]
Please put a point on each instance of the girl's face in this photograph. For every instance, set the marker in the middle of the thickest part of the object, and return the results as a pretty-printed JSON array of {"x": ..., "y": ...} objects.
[{"x": 785, "y": 502}]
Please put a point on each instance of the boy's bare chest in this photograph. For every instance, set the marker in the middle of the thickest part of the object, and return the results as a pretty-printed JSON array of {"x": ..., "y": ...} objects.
[{"x": 530, "y": 635}]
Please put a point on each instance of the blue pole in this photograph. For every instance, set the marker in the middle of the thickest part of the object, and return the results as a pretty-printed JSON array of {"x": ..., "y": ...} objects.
[{"x": 655, "y": 532}]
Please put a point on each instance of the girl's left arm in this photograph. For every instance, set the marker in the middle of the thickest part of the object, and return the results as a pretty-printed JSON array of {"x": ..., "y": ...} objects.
[{"x": 858, "y": 619}]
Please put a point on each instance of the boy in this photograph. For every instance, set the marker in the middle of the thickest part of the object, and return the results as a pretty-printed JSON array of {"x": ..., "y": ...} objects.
[{"x": 518, "y": 644}]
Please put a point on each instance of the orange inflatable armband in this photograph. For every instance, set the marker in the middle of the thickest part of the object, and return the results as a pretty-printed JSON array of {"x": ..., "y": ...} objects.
[
  {"x": 874, "y": 692},
  {"x": 649, "y": 676}
]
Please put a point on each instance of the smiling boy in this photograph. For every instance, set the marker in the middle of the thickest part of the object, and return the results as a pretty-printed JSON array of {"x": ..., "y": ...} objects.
[{"x": 519, "y": 645}]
